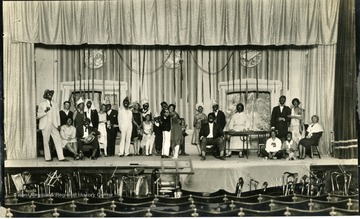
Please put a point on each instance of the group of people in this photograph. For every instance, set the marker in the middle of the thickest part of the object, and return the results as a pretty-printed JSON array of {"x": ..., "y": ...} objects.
[
  {"x": 166, "y": 132},
  {"x": 87, "y": 126},
  {"x": 288, "y": 138}
]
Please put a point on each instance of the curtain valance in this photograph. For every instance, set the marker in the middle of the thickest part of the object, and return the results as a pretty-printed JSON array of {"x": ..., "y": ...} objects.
[{"x": 175, "y": 22}]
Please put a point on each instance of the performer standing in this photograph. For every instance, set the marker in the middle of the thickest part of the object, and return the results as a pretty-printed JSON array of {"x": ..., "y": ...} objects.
[
  {"x": 79, "y": 121},
  {"x": 66, "y": 113},
  {"x": 92, "y": 114},
  {"x": 280, "y": 119},
  {"x": 125, "y": 124},
  {"x": 49, "y": 124},
  {"x": 145, "y": 109},
  {"x": 199, "y": 119},
  {"x": 102, "y": 129},
  {"x": 111, "y": 128},
  {"x": 220, "y": 118}
]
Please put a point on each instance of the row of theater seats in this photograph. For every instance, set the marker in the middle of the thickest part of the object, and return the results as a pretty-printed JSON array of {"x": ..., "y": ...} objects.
[
  {"x": 194, "y": 212},
  {"x": 189, "y": 205}
]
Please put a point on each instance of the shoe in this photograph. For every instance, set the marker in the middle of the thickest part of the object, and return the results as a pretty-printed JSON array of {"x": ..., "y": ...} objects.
[
  {"x": 184, "y": 154},
  {"x": 49, "y": 160},
  {"x": 121, "y": 155},
  {"x": 203, "y": 158},
  {"x": 77, "y": 157},
  {"x": 93, "y": 158},
  {"x": 105, "y": 155},
  {"x": 265, "y": 158},
  {"x": 64, "y": 160},
  {"x": 222, "y": 158}
]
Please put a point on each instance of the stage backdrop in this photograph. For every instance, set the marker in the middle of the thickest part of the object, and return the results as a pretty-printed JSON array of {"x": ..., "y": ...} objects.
[
  {"x": 305, "y": 72},
  {"x": 182, "y": 22}
]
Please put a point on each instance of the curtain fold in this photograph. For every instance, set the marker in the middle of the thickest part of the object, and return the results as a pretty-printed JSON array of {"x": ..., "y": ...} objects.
[
  {"x": 345, "y": 141},
  {"x": 19, "y": 102},
  {"x": 179, "y": 22}
]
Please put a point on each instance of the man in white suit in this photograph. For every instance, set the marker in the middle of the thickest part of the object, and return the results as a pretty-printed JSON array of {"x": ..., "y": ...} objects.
[{"x": 49, "y": 124}]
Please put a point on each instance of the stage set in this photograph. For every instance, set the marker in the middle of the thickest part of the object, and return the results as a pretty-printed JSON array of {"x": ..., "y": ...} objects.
[{"x": 183, "y": 52}]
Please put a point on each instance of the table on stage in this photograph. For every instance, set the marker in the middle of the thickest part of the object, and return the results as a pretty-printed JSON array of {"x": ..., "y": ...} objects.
[{"x": 244, "y": 137}]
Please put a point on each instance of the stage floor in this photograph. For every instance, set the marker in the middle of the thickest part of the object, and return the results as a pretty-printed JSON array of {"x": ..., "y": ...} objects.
[
  {"x": 195, "y": 175},
  {"x": 155, "y": 161}
]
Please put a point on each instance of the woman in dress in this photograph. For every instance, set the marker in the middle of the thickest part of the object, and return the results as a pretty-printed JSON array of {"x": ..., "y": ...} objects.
[
  {"x": 296, "y": 124},
  {"x": 314, "y": 132},
  {"x": 136, "y": 135},
  {"x": 102, "y": 129},
  {"x": 68, "y": 137},
  {"x": 199, "y": 119},
  {"x": 176, "y": 131},
  {"x": 148, "y": 136}
]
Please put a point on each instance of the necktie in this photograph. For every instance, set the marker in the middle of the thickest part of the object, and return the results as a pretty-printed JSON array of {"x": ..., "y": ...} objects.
[{"x": 50, "y": 104}]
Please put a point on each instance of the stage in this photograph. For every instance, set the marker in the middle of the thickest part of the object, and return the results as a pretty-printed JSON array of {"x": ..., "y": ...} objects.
[{"x": 195, "y": 175}]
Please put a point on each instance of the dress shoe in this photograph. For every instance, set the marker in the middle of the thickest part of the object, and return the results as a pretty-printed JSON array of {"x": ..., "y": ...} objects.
[
  {"x": 49, "y": 160},
  {"x": 64, "y": 160},
  {"x": 222, "y": 158},
  {"x": 184, "y": 154},
  {"x": 203, "y": 158},
  {"x": 93, "y": 157}
]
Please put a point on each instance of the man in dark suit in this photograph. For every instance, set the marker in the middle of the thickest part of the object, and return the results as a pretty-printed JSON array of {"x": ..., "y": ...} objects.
[
  {"x": 65, "y": 113},
  {"x": 220, "y": 118},
  {"x": 88, "y": 135},
  {"x": 280, "y": 119},
  {"x": 112, "y": 128},
  {"x": 92, "y": 114},
  {"x": 211, "y": 133}
]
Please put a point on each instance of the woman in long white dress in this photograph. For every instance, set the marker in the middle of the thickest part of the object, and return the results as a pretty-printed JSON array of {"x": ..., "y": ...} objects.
[
  {"x": 297, "y": 124},
  {"x": 102, "y": 129}
]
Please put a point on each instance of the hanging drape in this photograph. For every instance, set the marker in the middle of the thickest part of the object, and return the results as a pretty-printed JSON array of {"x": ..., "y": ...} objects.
[
  {"x": 176, "y": 22},
  {"x": 19, "y": 92},
  {"x": 164, "y": 22},
  {"x": 345, "y": 133},
  {"x": 307, "y": 73}
]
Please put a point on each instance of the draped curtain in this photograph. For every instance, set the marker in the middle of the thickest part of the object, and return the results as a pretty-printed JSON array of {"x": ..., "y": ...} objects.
[
  {"x": 177, "y": 22},
  {"x": 306, "y": 73},
  {"x": 164, "y": 22},
  {"x": 345, "y": 141}
]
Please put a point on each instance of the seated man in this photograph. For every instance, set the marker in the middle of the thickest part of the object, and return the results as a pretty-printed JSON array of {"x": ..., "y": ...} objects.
[
  {"x": 273, "y": 147},
  {"x": 89, "y": 136},
  {"x": 289, "y": 147},
  {"x": 211, "y": 134}
]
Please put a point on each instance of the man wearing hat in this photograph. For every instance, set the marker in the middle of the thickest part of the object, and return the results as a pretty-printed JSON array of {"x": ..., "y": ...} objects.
[
  {"x": 92, "y": 114},
  {"x": 49, "y": 124},
  {"x": 145, "y": 109},
  {"x": 79, "y": 121},
  {"x": 125, "y": 121}
]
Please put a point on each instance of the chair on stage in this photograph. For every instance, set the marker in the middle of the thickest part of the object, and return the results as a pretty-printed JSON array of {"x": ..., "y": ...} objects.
[{"x": 314, "y": 149}]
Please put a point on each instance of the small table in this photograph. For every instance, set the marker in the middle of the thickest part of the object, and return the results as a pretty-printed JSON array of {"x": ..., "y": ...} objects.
[{"x": 244, "y": 137}]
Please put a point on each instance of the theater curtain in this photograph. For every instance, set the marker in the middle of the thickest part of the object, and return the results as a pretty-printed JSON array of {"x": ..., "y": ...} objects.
[
  {"x": 307, "y": 73},
  {"x": 345, "y": 142},
  {"x": 176, "y": 22},
  {"x": 19, "y": 91}
]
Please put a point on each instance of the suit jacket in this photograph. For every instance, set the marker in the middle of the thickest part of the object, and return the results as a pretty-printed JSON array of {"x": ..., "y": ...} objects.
[
  {"x": 112, "y": 117},
  {"x": 281, "y": 126},
  {"x": 94, "y": 118},
  {"x": 64, "y": 117},
  {"x": 220, "y": 119},
  {"x": 51, "y": 116},
  {"x": 205, "y": 130}
]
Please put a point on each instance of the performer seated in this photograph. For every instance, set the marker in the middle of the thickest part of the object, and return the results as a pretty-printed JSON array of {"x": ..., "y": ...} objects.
[
  {"x": 313, "y": 134},
  {"x": 68, "y": 137},
  {"x": 273, "y": 147},
  {"x": 238, "y": 122},
  {"x": 211, "y": 134},
  {"x": 89, "y": 137},
  {"x": 290, "y": 148}
]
